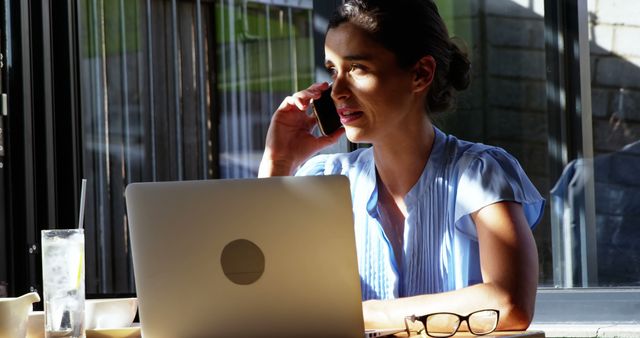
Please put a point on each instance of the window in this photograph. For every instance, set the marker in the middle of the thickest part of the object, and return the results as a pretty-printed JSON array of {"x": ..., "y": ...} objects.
[
  {"x": 177, "y": 90},
  {"x": 168, "y": 90},
  {"x": 265, "y": 53},
  {"x": 146, "y": 73},
  {"x": 603, "y": 240},
  {"x": 555, "y": 84},
  {"x": 595, "y": 199}
]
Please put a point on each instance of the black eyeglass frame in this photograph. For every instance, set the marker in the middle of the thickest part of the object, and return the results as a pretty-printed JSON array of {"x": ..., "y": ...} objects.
[{"x": 423, "y": 320}]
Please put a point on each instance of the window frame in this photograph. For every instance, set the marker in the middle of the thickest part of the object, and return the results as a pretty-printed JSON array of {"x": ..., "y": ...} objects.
[
  {"x": 587, "y": 306},
  {"x": 569, "y": 109}
]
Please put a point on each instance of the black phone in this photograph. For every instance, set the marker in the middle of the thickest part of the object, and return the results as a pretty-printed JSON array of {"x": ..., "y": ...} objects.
[{"x": 325, "y": 111}]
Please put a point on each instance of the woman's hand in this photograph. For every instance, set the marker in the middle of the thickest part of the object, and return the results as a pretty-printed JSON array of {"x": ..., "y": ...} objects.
[{"x": 289, "y": 139}]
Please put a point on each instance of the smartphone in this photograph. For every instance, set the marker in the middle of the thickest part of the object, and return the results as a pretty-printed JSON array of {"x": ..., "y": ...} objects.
[{"x": 325, "y": 111}]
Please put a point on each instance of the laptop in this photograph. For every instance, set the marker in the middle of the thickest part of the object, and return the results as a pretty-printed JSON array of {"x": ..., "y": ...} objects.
[{"x": 249, "y": 257}]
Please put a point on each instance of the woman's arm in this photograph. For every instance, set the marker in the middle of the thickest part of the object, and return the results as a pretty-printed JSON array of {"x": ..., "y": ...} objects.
[{"x": 509, "y": 263}]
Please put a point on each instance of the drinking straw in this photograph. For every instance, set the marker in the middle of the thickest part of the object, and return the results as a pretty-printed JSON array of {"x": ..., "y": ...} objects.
[
  {"x": 82, "y": 198},
  {"x": 80, "y": 225}
]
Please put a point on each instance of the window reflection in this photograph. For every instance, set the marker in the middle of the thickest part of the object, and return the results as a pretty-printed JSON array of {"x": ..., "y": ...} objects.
[
  {"x": 506, "y": 104},
  {"x": 264, "y": 58},
  {"x": 175, "y": 90},
  {"x": 603, "y": 254}
]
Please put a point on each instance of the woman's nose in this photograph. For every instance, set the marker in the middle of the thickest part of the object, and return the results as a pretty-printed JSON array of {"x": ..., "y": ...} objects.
[{"x": 340, "y": 89}]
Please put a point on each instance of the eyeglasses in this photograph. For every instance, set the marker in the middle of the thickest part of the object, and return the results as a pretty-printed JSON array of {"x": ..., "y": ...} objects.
[{"x": 446, "y": 324}]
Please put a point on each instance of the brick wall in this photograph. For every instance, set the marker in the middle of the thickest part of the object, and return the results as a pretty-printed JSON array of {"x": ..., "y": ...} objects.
[{"x": 615, "y": 72}]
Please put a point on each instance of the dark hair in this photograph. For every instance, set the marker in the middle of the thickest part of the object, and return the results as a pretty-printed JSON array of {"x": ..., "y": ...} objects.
[{"x": 411, "y": 29}]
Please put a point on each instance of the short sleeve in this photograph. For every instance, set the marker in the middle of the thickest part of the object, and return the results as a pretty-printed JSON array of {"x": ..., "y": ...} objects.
[
  {"x": 492, "y": 176},
  {"x": 334, "y": 164},
  {"x": 315, "y": 166}
]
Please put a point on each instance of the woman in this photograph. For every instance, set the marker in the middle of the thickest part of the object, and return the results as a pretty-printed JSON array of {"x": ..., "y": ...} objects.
[{"x": 441, "y": 224}]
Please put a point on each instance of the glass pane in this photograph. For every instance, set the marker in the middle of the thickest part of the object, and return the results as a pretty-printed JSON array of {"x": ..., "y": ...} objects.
[
  {"x": 262, "y": 60},
  {"x": 505, "y": 104},
  {"x": 175, "y": 90},
  {"x": 615, "y": 88},
  {"x": 103, "y": 112}
]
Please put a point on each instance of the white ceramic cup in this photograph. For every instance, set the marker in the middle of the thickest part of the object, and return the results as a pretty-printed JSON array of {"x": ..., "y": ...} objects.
[
  {"x": 35, "y": 328},
  {"x": 110, "y": 313}
]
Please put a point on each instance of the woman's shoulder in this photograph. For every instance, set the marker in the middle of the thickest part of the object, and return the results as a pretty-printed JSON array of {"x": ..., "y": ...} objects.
[
  {"x": 337, "y": 163},
  {"x": 461, "y": 152},
  {"x": 486, "y": 174}
]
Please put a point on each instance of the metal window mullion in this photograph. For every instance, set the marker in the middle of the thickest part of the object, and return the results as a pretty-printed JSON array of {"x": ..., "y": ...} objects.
[
  {"x": 292, "y": 50},
  {"x": 223, "y": 125},
  {"x": 266, "y": 113},
  {"x": 100, "y": 139},
  {"x": 124, "y": 78},
  {"x": 250, "y": 41},
  {"x": 26, "y": 136},
  {"x": 269, "y": 56},
  {"x": 233, "y": 87},
  {"x": 49, "y": 130},
  {"x": 243, "y": 80},
  {"x": 312, "y": 60},
  {"x": 557, "y": 145},
  {"x": 150, "y": 85},
  {"x": 219, "y": 42},
  {"x": 96, "y": 140},
  {"x": 201, "y": 92},
  {"x": 588, "y": 242},
  {"x": 107, "y": 203},
  {"x": 176, "y": 89}
]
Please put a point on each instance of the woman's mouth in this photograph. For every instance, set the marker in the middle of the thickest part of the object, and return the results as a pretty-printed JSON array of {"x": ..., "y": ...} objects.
[{"x": 348, "y": 115}]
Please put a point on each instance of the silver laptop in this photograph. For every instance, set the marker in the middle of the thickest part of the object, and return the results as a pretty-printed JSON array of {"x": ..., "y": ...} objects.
[{"x": 254, "y": 257}]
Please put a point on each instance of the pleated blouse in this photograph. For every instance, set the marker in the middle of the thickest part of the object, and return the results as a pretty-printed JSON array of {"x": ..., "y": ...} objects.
[{"x": 440, "y": 239}]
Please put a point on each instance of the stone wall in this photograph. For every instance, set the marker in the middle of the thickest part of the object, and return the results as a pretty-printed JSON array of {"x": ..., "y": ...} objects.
[{"x": 615, "y": 72}]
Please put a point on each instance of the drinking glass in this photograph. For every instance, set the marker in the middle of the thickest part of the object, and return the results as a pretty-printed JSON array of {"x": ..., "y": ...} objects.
[{"x": 63, "y": 282}]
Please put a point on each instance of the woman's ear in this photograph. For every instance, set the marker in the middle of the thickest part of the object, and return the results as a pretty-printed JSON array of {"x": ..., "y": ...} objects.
[{"x": 424, "y": 71}]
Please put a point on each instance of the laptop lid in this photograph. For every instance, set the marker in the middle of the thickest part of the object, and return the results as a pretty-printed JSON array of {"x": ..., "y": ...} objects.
[{"x": 266, "y": 257}]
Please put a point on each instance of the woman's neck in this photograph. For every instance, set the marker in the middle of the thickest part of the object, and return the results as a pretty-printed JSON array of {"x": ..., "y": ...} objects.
[{"x": 400, "y": 159}]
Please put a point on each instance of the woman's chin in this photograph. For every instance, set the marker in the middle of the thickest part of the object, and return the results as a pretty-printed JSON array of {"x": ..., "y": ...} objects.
[{"x": 356, "y": 135}]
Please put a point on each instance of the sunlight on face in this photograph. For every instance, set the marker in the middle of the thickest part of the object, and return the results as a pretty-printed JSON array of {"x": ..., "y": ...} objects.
[{"x": 374, "y": 96}]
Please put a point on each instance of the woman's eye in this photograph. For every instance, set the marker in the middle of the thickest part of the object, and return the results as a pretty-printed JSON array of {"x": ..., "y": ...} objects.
[
  {"x": 357, "y": 69},
  {"x": 354, "y": 69}
]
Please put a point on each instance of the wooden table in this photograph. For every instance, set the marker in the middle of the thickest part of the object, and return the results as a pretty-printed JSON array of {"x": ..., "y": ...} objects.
[{"x": 496, "y": 334}]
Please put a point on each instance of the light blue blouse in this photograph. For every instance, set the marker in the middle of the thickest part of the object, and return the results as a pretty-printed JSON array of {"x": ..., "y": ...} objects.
[{"x": 440, "y": 240}]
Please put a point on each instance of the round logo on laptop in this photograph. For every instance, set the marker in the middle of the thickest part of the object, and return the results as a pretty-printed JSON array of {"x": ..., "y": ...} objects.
[{"x": 242, "y": 261}]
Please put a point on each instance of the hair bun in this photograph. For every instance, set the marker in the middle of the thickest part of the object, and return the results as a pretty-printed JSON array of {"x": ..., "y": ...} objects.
[{"x": 459, "y": 68}]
